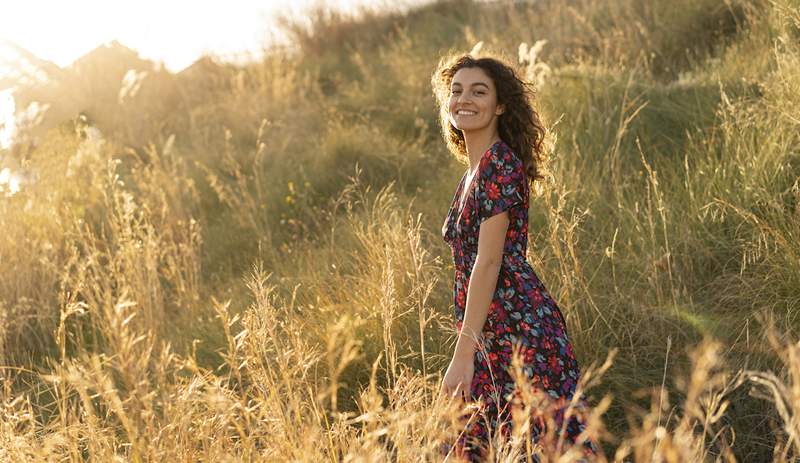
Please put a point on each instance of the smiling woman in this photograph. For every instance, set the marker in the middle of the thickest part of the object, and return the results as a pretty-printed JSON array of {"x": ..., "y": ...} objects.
[{"x": 502, "y": 308}]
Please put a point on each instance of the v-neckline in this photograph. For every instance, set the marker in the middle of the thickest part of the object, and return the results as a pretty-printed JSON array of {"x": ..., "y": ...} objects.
[
  {"x": 457, "y": 208},
  {"x": 463, "y": 194}
]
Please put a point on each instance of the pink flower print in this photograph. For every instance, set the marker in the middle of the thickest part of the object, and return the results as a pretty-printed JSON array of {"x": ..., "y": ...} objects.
[{"x": 537, "y": 297}]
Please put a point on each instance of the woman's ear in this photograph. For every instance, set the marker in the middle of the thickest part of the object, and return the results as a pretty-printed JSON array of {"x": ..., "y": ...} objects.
[{"x": 500, "y": 109}]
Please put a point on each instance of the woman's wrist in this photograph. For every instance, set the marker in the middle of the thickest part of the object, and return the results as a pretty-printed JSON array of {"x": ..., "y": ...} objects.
[{"x": 466, "y": 344}]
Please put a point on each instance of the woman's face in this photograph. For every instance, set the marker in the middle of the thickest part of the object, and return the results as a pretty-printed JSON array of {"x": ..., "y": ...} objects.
[{"x": 473, "y": 100}]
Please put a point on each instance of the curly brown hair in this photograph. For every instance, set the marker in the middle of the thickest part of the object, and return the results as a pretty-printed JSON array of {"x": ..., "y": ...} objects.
[{"x": 519, "y": 125}]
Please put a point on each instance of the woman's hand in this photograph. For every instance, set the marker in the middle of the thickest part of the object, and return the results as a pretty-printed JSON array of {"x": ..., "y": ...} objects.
[{"x": 458, "y": 378}]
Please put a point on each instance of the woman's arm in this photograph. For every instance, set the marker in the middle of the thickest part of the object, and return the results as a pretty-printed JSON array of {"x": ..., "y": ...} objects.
[
  {"x": 482, "y": 282},
  {"x": 501, "y": 186},
  {"x": 480, "y": 292}
]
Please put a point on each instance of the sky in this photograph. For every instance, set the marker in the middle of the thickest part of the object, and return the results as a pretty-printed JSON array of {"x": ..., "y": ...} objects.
[{"x": 175, "y": 32}]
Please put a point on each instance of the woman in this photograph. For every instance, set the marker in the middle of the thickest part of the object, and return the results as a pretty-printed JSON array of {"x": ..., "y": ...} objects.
[{"x": 500, "y": 303}]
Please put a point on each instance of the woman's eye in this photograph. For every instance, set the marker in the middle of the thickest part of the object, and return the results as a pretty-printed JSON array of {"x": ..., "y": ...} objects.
[
  {"x": 479, "y": 93},
  {"x": 456, "y": 91}
]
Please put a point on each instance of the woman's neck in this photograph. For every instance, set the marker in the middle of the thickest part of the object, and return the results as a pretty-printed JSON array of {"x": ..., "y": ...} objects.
[{"x": 477, "y": 144}]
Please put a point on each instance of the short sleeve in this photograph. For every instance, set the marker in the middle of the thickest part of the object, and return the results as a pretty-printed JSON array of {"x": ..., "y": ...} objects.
[{"x": 501, "y": 184}]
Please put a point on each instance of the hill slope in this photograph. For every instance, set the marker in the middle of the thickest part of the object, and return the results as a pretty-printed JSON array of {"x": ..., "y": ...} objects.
[{"x": 254, "y": 251}]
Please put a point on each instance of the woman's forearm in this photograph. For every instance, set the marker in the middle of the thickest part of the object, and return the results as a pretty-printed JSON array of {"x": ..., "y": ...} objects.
[{"x": 482, "y": 283}]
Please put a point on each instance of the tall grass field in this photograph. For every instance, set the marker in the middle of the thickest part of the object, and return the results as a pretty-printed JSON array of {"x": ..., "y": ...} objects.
[{"x": 245, "y": 262}]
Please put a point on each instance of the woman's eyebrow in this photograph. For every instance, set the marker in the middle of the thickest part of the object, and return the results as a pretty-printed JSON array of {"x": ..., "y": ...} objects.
[{"x": 473, "y": 85}]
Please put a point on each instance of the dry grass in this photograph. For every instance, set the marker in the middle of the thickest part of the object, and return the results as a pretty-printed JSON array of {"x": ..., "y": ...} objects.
[{"x": 266, "y": 281}]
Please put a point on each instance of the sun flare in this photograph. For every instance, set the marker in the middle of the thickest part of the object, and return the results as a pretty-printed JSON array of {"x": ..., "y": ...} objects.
[{"x": 176, "y": 33}]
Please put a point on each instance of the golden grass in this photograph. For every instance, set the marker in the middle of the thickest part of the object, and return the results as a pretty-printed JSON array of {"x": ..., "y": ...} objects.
[{"x": 266, "y": 280}]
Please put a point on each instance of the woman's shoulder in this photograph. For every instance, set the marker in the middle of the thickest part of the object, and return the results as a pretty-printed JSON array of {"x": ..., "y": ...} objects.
[
  {"x": 501, "y": 184},
  {"x": 502, "y": 159}
]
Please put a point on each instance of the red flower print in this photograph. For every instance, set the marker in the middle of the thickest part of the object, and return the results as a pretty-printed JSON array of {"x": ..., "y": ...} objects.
[
  {"x": 492, "y": 191},
  {"x": 500, "y": 313},
  {"x": 553, "y": 362},
  {"x": 529, "y": 353}
]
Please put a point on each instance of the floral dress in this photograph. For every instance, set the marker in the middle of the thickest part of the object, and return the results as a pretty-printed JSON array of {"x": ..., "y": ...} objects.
[{"x": 521, "y": 313}]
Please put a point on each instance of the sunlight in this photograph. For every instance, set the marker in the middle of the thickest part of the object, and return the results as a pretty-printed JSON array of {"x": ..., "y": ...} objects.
[
  {"x": 175, "y": 33},
  {"x": 9, "y": 183},
  {"x": 7, "y": 123}
]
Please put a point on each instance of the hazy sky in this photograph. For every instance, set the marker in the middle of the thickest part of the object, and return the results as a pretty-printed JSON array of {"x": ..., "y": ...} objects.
[{"x": 173, "y": 31}]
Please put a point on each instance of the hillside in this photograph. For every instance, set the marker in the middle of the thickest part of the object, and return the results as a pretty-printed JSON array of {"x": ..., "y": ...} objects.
[{"x": 248, "y": 263}]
